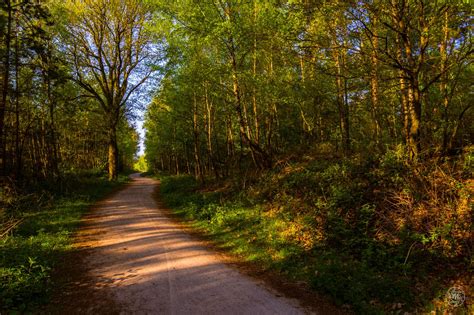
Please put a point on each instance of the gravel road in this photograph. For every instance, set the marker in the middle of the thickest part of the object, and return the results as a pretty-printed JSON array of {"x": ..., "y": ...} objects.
[{"x": 147, "y": 264}]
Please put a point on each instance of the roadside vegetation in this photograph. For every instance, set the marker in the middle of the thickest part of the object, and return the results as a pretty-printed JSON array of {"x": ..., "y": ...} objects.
[
  {"x": 364, "y": 231},
  {"x": 329, "y": 140},
  {"x": 37, "y": 230},
  {"x": 64, "y": 129}
]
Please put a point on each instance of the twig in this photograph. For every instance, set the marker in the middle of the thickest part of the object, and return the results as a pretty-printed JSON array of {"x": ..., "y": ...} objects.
[
  {"x": 8, "y": 229},
  {"x": 409, "y": 251}
]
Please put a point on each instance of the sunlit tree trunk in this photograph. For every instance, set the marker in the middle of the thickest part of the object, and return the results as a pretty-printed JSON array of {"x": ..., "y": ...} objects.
[
  {"x": 254, "y": 73},
  {"x": 230, "y": 144},
  {"x": 273, "y": 120},
  {"x": 444, "y": 81},
  {"x": 113, "y": 154},
  {"x": 342, "y": 102},
  {"x": 210, "y": 131},
  {"x": 197, "y": 156},
  {"x": 411, "y": 64},
  {"x": 374, "y": 82}
]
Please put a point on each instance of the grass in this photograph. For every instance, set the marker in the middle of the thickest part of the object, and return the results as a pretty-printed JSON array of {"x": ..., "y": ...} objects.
[
  {"x": 29, "y": 254},
  {"x": 323, "y": 223}
]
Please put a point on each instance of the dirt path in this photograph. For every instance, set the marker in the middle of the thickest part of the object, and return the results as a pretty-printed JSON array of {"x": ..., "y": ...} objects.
[{"x": 144, "y": 263}]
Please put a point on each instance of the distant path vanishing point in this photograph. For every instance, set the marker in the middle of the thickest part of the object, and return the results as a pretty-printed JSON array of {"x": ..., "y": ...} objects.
[{"x": 146, "y": 264}]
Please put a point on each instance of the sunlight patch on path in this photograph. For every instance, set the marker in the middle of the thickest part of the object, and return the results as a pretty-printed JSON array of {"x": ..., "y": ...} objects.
[{"x": 148, "y": 265}]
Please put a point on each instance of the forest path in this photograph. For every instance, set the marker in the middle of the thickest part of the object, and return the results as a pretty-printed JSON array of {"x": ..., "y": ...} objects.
[{"x": 146, "y": 264}]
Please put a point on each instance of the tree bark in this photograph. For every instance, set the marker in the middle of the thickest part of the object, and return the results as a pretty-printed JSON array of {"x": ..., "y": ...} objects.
[
  {"x": 113, "y": 154},
  {"x": 209, "y": 133},
  {"x": 197, "y": 156},
  {"x": 444, "y": 82},
  {"x": 374, "y": 83},
  {"x": 254, "y": 70},
  {"x": 5, "y": 87},
  {"x": 342, "y": 104},
  {"x": 18, "y": 151}
]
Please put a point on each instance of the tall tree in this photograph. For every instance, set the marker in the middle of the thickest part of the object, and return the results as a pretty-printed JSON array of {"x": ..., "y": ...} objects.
[
  {"x": 108, "y": 46},
  {"x": 7, "y": 7}
]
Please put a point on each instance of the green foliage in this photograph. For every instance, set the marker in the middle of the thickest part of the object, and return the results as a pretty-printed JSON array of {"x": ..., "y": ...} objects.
[
  {"x": 295, "y": 91},
  {"x": 127, "y": 142},
  {"x": 48, "y": 126},
  {"x": 28, "y": 255},
  {"x": 24, "y": 284},
  {"x": 317, "y": 114},
  {"x": 140, "y": 164},
  {"x": 358, "y": 284},
  {"x": 324, "y": 91},
  {"x": 333, "y": 225},
  {"x": 468, "y": 165}
]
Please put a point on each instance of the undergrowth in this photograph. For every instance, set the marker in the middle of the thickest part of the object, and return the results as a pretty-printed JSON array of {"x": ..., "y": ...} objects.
[
  {"x": 50, "y": 213},
  {"x": 375, "y": 234}
]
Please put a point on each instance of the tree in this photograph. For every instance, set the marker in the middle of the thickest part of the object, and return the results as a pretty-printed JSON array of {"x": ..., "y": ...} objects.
[
  {"x": 107, "y": 44},
  {"x": 5, "y": 79},
  {"x": 253, "y": 82}
]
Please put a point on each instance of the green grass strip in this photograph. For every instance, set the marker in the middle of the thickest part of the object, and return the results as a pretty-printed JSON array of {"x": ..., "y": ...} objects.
[{"x": 29, "y": 254}]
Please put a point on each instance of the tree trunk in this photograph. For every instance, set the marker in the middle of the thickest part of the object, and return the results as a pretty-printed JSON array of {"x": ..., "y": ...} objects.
[
  {"x": 402, "y": 82},
  {"x": 273, "y": 117},
  {"x": 416, "y": 59},
  {"x": 342, "y": 104},
  {"x": 5, "y": 87},
  {"x": 197, "y": 156},
  {"x": 210, "y": 129},
  {"x": 52, "y": 146},
  {"x": 444, "y": 82},
  {"x": 230, "y": 146},
  {"x": 261, "y": 158},
  {"x": 414, "y": 97},
  {"x": 113, "y": 154},
  {"x": 374, "y": 86},
  {"x": 18, "y": 151},
  {"x": 254, "y": 70}
]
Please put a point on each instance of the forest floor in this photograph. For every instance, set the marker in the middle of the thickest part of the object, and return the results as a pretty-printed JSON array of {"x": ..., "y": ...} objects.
[{"x": 134, "y": 258}]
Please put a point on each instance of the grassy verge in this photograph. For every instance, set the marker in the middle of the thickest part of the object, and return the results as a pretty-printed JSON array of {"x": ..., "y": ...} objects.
[
  {"x": 347, "y": 228},
  {"x": 50, "y": 216}
]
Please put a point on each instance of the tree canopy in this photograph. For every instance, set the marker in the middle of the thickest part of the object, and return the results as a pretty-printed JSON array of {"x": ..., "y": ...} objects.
[
  {"x": 69, "y": 70},
  {"x": 249, "y": 83}
]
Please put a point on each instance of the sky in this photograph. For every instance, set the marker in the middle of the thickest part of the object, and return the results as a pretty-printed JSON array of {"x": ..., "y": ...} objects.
[
  {"x": 141, "y": 98},
  {"x": 141, "y": 132},
  {"x": 145, "y": 93}
]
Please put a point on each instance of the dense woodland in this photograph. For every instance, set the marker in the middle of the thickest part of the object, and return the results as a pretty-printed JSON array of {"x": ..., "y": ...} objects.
[
  {"x": 55, "y": 114},
  {"x": 258, "y": 80},
  {"x": 350, "y": 123},
  {"x": 333, "y": 140}
]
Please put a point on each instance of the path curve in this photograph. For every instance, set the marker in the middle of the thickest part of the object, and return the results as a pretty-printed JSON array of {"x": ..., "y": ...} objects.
[{"x": 146, "y": 264}]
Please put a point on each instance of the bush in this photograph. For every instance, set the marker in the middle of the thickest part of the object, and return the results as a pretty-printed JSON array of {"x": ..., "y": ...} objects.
[{"x": 378, "y": 234}]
